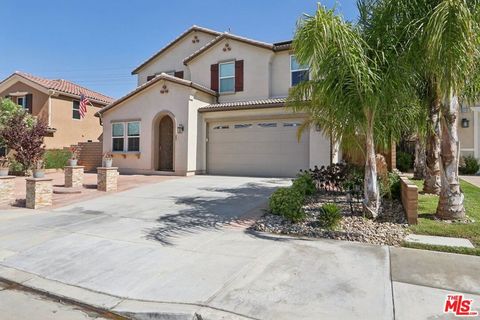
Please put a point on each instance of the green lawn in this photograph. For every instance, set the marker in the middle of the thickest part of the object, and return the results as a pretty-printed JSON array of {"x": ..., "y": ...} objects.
[{"x": 427, "y": 205}]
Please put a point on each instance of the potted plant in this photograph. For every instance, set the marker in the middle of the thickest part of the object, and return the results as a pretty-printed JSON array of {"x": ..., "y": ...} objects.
[
  {"x": 4, "y": 166},
  {"x": 39, "y": 169},
  {"x": 73, "y": 161},
  {"x": 107, "y": 159}
]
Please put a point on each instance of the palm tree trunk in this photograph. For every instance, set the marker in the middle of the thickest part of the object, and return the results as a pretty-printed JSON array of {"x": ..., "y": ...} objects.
[
  {"x": 432, "y": 182},
  {"x": 450, "y": 203},
  {"x": 419, "y": 169},
  {"x": 371, "y": 201}
]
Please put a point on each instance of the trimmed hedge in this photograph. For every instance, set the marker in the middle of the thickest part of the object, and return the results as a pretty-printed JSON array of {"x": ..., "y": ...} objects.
[
  {"x": 56, "y": 158},
  {"x": 468, "y": 165}
]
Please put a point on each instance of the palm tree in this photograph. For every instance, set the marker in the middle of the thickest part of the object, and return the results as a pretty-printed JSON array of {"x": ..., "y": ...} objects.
[
  {"x": 357, "y": 86},
  {"x": 442, "y": 37}
]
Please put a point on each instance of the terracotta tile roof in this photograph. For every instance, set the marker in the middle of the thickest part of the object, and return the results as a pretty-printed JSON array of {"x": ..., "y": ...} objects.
[
  {"x": 192, "y": 28},
  {"x": 162, "y": 76},
  {"x": 66, "y": 86},
  {"x": 227, "y": 35},
  {"x": 242, "y": 105},
  {"x": 284, "y": 45}
]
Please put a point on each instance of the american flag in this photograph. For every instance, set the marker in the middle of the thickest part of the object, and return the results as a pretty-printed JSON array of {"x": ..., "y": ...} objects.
[{"x": 83, "y": 105}]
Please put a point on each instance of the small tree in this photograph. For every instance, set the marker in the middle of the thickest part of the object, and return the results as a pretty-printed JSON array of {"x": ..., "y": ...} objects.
[
  {"x": 8, "y": 109},
  {"x": 26, "y": 140}
]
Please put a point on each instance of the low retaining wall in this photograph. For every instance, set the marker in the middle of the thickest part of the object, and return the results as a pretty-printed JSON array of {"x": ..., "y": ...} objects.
[
  {"x": 409, "y": 192},
  {"x": 90, "y": 155}
]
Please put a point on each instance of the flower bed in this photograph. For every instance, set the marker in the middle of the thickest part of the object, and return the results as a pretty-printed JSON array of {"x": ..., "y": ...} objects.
[{"x": 389, "y": 228}]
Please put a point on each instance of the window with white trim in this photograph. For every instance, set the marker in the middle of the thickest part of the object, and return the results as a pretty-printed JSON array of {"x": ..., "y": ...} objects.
[
  {"x": 126, "y": 136},
  {"x": 22, "y": 101},
  {"x": 298, "y": 72},
  {"x": 76, "y": 110},
  {"x": 226, "y": 75}
]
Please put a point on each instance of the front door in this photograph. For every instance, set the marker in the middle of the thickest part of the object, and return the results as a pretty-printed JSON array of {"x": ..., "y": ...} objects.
[{"x": 166, "y": 144}]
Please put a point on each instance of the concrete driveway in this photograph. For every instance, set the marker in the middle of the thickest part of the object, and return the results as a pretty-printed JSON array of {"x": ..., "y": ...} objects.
[{"x": 181, "y": 248}]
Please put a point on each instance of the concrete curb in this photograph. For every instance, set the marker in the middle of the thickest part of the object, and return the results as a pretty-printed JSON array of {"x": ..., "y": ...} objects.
[{"x": 112, "y": 306}]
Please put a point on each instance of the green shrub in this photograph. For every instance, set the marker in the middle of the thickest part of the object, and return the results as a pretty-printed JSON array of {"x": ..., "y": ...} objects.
[
  {"x": 468, "y": 165},
  {"x": 56, "y": 158},
  {"x": 288, "y": 202},
  {"x": 16, "y": 168},
  {"x": 330, "y": 216},
  {"x": 404, "y": 161},
  {"x": 304, "y": 183},
  {"x": 390, "y": 186}
]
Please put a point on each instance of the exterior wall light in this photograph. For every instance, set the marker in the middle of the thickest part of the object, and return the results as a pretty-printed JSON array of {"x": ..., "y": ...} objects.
[
  {"x": 465, "y": 123},
  {"x": 180, "y": 128}
]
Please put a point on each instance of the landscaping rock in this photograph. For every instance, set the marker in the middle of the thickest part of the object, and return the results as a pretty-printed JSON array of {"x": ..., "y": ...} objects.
[{"x": 389, "y": 228}]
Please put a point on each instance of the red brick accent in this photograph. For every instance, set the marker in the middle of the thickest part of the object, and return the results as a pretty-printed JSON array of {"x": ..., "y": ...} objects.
[{"x": 409, "y": 193}]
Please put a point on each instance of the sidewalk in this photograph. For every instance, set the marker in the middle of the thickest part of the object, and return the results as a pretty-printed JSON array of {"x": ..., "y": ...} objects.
[{"x": 475, "y": 180}]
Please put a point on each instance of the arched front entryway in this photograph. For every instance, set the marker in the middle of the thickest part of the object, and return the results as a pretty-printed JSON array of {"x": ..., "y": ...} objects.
[{"x": 164, "y": 143}]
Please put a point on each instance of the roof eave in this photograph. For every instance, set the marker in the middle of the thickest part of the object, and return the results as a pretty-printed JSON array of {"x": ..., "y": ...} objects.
[
  {"x": 247, "y": 107},
  {"x": 176, "y": 40}
]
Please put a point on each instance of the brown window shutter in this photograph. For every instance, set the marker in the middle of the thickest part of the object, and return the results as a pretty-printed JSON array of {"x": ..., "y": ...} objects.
[
  {"x": 238, "y": 75},
  {"x": 179, "y": 74},
  {"x": 214, "y": 77},
  {"x": 29, "y": 102},
  {"x": 150, "y": 78}
]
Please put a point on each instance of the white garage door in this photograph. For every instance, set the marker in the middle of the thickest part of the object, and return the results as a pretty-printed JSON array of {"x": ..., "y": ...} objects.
[{"x": 263, "y": 148}]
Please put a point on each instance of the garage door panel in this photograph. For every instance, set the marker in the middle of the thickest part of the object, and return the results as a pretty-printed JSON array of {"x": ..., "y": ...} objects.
[{"x": 257, "y": 148}]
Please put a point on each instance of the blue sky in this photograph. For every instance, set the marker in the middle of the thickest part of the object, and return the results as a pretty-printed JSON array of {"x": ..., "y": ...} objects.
[{"x": 97, "y": 43}]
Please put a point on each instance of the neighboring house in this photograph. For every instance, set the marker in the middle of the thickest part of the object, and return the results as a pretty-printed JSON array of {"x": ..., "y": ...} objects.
[
  {"x": 468, "y": 131},
  {"x": 57, "y": 103}
]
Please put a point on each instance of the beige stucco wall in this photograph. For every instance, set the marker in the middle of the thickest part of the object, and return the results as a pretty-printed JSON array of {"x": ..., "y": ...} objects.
[
  {"x": 280, "y": 74},
  {"x": 71, "y": 131},
  {"x": 39, "y": 99},
  {"x": 172, "y": 58},
  {"x": 466, "y": 135},
  {"x": 256, "y": 82},
  {"x": 147, "y": 107}
]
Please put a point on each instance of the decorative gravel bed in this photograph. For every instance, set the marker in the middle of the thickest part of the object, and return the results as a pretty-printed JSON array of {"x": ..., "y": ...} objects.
[{"x": 389, "y": 228}]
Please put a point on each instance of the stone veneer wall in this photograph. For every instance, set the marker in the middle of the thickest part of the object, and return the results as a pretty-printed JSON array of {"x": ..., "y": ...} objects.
[
  {"x": 409, "y": 193},
  {"x": 74, "y": 176},
  {"x": 39, "y": 193},
  {"x": 107, "y": 179},
  {"x": 7, "y": 190}
]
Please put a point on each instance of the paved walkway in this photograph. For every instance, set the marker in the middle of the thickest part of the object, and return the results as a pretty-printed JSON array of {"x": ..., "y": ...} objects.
[
  {"x": 181, "y": 247},
  {"x": 475, "y": 180}
]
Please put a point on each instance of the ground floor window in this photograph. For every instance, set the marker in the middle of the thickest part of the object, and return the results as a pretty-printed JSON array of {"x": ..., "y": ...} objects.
[{"x": 126, "y": 136}]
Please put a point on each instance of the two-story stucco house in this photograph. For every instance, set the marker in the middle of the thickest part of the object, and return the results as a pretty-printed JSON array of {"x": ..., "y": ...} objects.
[
  {"x": 212, "y": 102},
  {"x": 57, "y": 103}
]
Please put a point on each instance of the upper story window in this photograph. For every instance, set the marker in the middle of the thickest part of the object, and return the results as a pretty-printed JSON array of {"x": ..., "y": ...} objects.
[
  {"x": 76, "y": 110},
  {"x": 126, "y": 136},
  {"x": 22, "y": 101},
  {"x": 227, "y": 77},
  {"x": 299, "y": 73}
]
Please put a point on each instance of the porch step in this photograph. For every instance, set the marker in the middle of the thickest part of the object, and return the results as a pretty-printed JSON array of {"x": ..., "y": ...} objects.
[{"x": 439, "y": 241}]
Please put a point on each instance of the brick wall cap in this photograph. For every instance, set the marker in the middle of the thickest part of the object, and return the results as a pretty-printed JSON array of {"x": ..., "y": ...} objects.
[{"x": 74, "y": 167}]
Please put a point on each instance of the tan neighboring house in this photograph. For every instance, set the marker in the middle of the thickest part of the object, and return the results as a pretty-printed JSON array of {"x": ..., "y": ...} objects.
[
  {"x": 213, "y": 102},
  {"x": 57, "y": 103}
]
